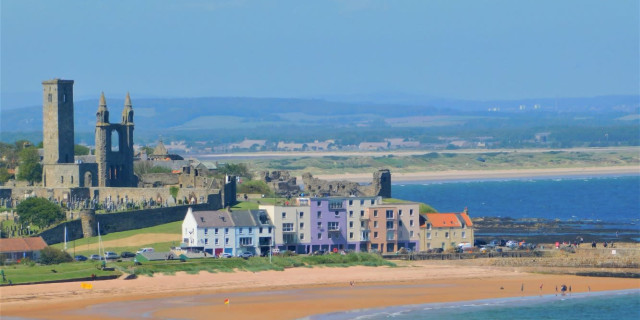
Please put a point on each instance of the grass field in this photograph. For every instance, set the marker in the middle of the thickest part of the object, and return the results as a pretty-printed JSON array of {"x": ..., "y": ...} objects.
[{"x": 445, "y": 160}]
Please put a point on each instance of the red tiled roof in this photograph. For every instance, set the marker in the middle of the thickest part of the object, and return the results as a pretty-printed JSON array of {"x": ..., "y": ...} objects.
[
  {"x": 443, "y": 220},
  {"x": 466, "y": 219},
  {"x": 22, "y": 244}
]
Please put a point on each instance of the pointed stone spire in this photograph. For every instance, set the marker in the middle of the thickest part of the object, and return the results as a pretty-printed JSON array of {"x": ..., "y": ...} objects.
[
  {"x": 103, "y": 101},
  {"x": 127, "y": 101}
]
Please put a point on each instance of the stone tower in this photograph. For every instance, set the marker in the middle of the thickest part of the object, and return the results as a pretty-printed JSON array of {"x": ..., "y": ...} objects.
[
  {"x": 58, "y": 139},
  {"x": 382, "y": 183},
  {"x": 114, "y": 147}
]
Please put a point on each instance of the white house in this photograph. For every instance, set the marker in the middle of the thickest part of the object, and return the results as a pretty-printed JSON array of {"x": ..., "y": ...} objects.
[{"x": 210, "y": 231}]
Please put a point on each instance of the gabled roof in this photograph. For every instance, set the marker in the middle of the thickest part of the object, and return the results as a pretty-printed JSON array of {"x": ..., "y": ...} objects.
[
  {"x": 443, "y": 220},
  {"x": 212, "y": 219},
  {"x": 243, "y": 218},
  {"x": 465, "y": 218},
  {"x": 261, "y": 218},
  {"x": 22, "y": 244}
]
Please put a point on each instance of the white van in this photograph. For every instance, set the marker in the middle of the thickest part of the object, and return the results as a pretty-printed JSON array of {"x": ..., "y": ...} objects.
[{"x": 145, "y": 250}]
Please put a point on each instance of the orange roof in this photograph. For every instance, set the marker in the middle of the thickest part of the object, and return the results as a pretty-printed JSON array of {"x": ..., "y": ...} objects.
[
  {"x": 467, "y": 220},
  {"x": 22, "y": 244},
  {"x": 443, "y": 220}
]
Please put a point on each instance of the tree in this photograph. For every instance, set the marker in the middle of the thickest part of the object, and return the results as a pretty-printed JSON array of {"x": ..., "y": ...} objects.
[
  {"x": 174, "y": 192},
  {"x": 30, "y": 168},
  {"x": 50, "y": 255},
  {"x": 81, "y": 150},
  {"x": 4, "y": 175},
  {"x": 39, "y": 212},
  {"x": 240, "y": 170}
]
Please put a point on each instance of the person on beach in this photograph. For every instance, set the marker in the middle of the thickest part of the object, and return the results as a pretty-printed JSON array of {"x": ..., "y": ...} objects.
[{"x": 563, "y": 289}]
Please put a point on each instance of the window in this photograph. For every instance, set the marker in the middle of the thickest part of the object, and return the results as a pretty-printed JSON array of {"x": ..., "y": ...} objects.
[
  {"x": 464, "y": 234},
  {"x": 71, "y": 179},
  {"x": 372, "y": 202},
  {"x": 375, "y": 213},
  {"x": 446, "y": 234},
  {"x": 260, "y": 230},
  {"x": 411, "y": 233},
  {"x": 334, "y": 226},
  {"x": 350, "y": 214},
  {"x": 350, "y": 202},
  {"x": 389, "y": 214},
  {"x": 287, "y": 227},
  {"x": 375, "y": 224},
  {"x": 411, "y": 212},
  {"x": 61, "y": 179},
  {"x": 319, "y": 214},
  {"x": 206, "y": 241},
  {"x": 319, "y": 203},
  {"x": 319, "y": 225},
  {"x": 319, "y": 236},
  {"x": 269, "y": 229},
  {"x": 284, "y": 215},
  {"x": 226, "y": 241},
  {"x": 362, "y": 202},
  {"x": 399, "y": 223},
  {"x": 302, "y": 236},
  {"x": 250, "y": 230},
  {"x": 362, "y": 213},
  {"x": 301, "y": 214},
  {"x": 429, "y": 226},
  {"x": 50, "y": 97},
  {"x": 375, "y": 235},
  {"x": 215, "y": 231},
  {"x": 246, "y": 241},
  {"x": 240, "y": 230},
  {"x": 226, "y": 230},
  {"x": 206, "y": 231},
  {"x": 389, "y": 225},
  {"x": 361, "y": 224},
  {"x": 428, "y": 235},
  {"x": 411, "y": 223},
  {"x": 216, "y": 241},
  {"x": 301, "y": 225},
  {"x": 350, "y": 235},
  {"x": 350, "y": 224},
  {"x": 399, "y": 213}
]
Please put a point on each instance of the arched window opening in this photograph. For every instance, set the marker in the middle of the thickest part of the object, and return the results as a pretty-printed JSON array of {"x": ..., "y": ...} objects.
[{"x": 115, "y": 141}]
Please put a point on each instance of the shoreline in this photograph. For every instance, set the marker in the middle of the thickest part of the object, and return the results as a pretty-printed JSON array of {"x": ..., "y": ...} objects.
[
  {"x": 289, "y": 294},
  {"x": 466, "y": 175}
]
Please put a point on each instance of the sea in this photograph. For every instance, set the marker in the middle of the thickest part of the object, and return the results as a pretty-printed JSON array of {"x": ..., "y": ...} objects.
[
  {"x": 610, "y": 201},
  {"x": 619, "y": 305}
]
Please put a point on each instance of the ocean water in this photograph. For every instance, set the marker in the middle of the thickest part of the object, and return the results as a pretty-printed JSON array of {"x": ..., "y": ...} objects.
[
  {"x": 613, "y": 199},
  {"x": 619, "y": 305}
]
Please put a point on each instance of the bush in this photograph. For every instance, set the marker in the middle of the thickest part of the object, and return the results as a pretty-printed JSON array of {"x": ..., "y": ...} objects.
[{"x": 50, "y": 255}]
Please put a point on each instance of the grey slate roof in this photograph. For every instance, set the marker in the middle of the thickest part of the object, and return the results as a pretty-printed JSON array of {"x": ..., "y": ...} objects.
[
  {"x": 243, "y": 218},
  {"x": 261, "y": 218},
  {"x": 212, "y": 219}
]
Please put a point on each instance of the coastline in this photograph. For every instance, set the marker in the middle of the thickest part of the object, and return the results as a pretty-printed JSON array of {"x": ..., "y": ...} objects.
[
  {"x": 463, "y": 175},
  {"x": 289, "y": 294}
]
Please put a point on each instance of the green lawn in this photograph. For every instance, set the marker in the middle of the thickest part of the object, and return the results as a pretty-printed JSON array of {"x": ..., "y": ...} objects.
[
  {"x": 21, "y": 273},
  {"x": 73, "y": 270}
]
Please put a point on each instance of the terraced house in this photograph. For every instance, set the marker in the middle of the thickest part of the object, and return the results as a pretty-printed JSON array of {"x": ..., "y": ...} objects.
[
  {"x": 445, "y": 230},
  {"x": 217, "y": 232},
  {"x": 345, "y": 223}
]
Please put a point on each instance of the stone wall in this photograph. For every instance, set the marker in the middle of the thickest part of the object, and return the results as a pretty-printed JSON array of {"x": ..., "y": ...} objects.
[{"x": 122, "y": 221}]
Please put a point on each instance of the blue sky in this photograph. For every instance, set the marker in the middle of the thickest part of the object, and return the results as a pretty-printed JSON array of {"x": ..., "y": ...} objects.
[{"x": 452, "y": 49}]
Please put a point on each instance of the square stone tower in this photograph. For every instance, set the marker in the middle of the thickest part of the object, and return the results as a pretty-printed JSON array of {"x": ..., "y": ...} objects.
[{"x": 57, "y": 121}]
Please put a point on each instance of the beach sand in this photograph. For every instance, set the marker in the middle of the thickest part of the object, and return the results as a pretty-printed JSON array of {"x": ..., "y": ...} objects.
[
  {"x": 399, "y": 177},
  {"x": 289, "y": 294}
]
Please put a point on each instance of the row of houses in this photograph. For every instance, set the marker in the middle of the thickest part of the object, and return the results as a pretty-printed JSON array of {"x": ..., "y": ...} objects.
[{"x": 362, "y": 224}]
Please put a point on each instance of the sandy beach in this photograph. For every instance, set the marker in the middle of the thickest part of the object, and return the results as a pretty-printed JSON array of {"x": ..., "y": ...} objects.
[
  {"x": 408, "y": 177},
  {"x": 289, "y": 294}
]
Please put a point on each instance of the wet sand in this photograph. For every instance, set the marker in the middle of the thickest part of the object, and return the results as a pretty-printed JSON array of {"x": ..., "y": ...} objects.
[
  {"x": 288, "y": 294},
  {"x": 448, "y": 175}
]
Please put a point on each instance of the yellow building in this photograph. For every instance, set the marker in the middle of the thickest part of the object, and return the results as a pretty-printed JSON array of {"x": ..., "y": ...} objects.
[{"x": 445, "y": 230}]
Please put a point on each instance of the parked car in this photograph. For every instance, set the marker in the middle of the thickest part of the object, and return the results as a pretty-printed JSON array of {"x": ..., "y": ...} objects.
[
  {"x": 144, "y": 250},
  {"x": 319, "y": 252},
  {"x": 435, "y": 250},
  {"x": 225, "y": 255},
  {"x": 80, "y": 258},
  {"x": 96, "y": 257},
  {"x": 245, "y": 255},
  {"x": 111, "y": 255},
  {"x": 127, "y": 254}
]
